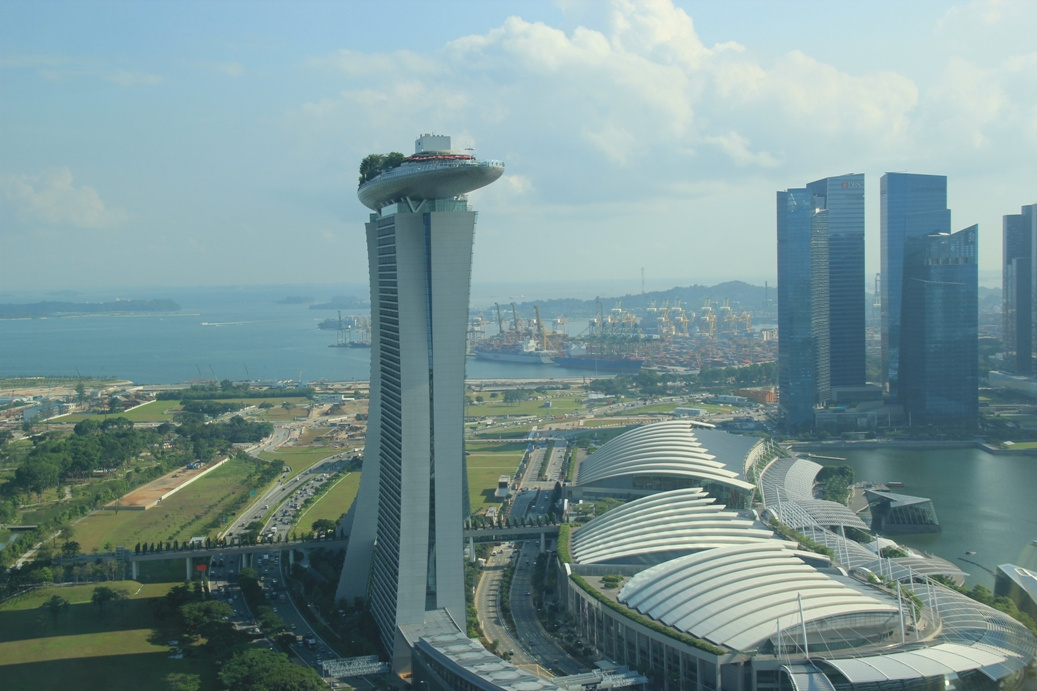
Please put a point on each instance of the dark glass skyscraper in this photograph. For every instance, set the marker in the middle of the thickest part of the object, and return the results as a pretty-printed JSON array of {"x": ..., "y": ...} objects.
[
  {"x": 939, "y": 381},
  {"x": 1019, "y": 233},
  {"x": 843, "y": 199},
  {"x": 910, "y": 206},
  {"x": 797, "y": 376},
  {"x": 820, "y": 294}
]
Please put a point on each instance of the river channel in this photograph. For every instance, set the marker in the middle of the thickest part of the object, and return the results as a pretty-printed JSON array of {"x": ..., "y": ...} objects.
[{"x": 986, "y": 503}]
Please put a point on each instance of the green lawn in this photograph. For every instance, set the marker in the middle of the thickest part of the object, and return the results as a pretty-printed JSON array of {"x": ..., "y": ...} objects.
[
  {"x": 180, "y": 517},
  {"x": 123, "y": 647},
  {"x": 298, "y": 458},
  {"x": 560, "y": 405},
  {"x": 333, "y": 504},
  {"x": 486, "y": 462},
  {"x": 155, "y": 411}
]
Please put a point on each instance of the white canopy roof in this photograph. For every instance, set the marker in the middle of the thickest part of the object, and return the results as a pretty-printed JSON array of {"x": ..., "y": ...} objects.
[{"x": 732, "y": 596}]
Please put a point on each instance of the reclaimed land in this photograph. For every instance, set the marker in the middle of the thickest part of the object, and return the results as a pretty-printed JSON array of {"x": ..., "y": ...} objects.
[{"x": 192, "y": 512}]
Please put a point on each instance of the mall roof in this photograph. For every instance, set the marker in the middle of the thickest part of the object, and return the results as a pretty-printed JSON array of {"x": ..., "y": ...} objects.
[
  {"x": 663, "y": 448},
  {"x": 667, "y": 523},
  {"x": 732, "y": 596},
  {"x": 939, "y": 660}
]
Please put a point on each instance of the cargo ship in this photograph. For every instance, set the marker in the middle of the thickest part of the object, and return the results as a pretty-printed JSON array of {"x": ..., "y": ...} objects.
[
  {"x": 526, "y": 353},
  {"x": 579, "y": 357}
]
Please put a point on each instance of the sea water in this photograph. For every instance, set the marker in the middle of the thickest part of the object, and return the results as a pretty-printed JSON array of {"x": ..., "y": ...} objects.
[
  {"x": 219, "y": 333},
  {"x": 986, "y": 503}
]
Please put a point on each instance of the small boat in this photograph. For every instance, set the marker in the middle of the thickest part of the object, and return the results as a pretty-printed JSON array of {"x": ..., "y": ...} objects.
[{"x": 970, "y": 552}]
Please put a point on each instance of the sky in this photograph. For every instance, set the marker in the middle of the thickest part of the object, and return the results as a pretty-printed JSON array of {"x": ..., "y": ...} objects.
[{"x": 218, "y": 143}]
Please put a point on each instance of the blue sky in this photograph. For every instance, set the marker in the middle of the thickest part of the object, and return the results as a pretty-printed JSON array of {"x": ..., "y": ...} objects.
[{"x": 186, "y": 143}]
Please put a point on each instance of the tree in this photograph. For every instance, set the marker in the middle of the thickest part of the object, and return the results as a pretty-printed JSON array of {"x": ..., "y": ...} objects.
[
  {"x": 70, "y": 548},
  {"x": 206, "y": 618},
  {"x": 259, "y": 669},
  {"x": 103, "y": 596},
  {"x": 114, "y": 404},
  {"x": 323, "y": 525},
  {"x": 57, "y": 606},
  {"x": 80, "y": 392}
]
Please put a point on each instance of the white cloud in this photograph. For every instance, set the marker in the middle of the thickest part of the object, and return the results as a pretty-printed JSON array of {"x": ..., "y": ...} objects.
[
  {"x": 127, "y": 78},
  {"x": 52, "y": 198}
]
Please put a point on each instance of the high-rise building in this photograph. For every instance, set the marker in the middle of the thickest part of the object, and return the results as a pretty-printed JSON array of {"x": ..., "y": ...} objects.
[
  {"x": 939, "y": 333},
  {"x": 406, "y": 542},
  {"x": 842, "y": 197},
  {"x": 797, "y": 376},
  {"x": 910, "y": 206},
  {"x": 820, "y": 294},
  {"x": 1019, "y": 233}
]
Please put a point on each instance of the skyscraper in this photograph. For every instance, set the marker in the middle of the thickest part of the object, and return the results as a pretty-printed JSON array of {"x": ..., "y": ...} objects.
[
  {"x": 842, "y": 197},
  {"x": 820, "y": 294},
  {"x": 939, "y": 334},
  {"x": 1019, "y": 233},
  {"x": 405, "y": 546},
  {"x": 910, "y": 206}
]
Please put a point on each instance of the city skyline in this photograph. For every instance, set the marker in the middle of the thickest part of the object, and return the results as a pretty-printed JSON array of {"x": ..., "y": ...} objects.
[{"x": 157, "y": 144}]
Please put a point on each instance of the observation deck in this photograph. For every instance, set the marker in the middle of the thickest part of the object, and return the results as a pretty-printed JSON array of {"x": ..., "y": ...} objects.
[{"x": 433, "y": 175}]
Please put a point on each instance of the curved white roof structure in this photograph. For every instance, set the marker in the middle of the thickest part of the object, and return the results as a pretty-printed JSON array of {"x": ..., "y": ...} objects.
[
  {"x": 662, "y": 526},
  {"x": 664, "y": 448},
  {"x": 733, "y": 596}
]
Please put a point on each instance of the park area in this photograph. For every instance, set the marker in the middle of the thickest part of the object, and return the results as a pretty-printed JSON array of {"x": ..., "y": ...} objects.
[
  {"x": 196, "y": 510},
  {"x": 87, "y": 646}
]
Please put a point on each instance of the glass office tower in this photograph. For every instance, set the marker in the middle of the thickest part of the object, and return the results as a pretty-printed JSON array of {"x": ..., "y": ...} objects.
[
  {"x": 910, "y": 206},
  {"x": 1019, "y": 235},
  {"x": 939, "y": 380},
  {"x": 843, "y": 199},
  {"x": 802, "y": 307},
  {"x": 820, "y": 294}
]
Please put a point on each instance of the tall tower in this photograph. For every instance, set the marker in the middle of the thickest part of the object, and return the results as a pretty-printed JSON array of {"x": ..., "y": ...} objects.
[
  {"x": 1019, "y": 233},
  {"x": 910, "y": 206},
  {"x": 939, "y": 333},
  {"x": 820, "y": 294},
  {"x": 842, "y": 197},
  {"x": 406, "y": 541}
]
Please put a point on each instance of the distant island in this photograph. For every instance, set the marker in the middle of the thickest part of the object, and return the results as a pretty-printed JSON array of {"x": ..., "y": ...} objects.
[
  {"x": 341, "y": 302},
  {"x": 70, "y": 309},
  {"x": 294, "y": 300}
]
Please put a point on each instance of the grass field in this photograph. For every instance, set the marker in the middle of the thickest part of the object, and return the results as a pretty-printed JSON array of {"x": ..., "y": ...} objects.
[
  {"x": 298, "y": 458},
  {"x": 122, "y": 648},
  {"x": 333, "y": 504},
  {"x": 179, "y": 517},
  {"x": 155, "y": 411},
  {"x": 560, "y": 405},
  {"x": 486, "y": 462}
]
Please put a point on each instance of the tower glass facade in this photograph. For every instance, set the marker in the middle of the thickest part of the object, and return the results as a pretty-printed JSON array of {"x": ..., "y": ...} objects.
[
  {"x": 797, "y": 378},
  {"x": 842, "y": 197},
  {"x": 820, "y": 294},
  {"x": 1019, "y": 235},
  {"x": 939, "y": 381},
  {"x": 405, "y": 549},
  {"x": 910, "y": 206}
]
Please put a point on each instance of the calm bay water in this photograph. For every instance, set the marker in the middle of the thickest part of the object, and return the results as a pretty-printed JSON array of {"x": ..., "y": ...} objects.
[
  {"x": 986, "y": 503},
  {"x": 226, "y": 333}
]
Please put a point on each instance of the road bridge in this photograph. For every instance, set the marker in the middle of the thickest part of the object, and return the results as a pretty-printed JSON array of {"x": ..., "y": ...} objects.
[{"x": 199, "y": 555}]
